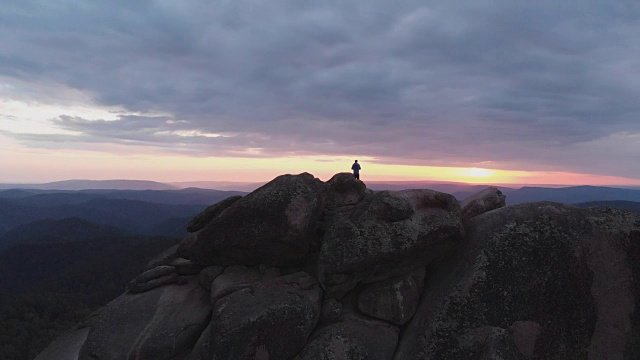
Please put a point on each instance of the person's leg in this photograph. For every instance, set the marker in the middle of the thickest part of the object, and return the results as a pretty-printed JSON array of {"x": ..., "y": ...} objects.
[{"x": 357, "y": 176}]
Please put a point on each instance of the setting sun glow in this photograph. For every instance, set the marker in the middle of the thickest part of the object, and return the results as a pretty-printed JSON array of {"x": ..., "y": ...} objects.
[{"x": 479, "y": 172}]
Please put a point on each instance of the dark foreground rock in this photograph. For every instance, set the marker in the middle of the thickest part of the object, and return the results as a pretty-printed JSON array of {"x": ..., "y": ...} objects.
[
  {"x": 394, "y": 300},
  {"x": 66, "y": 346},
  {"x": 388, "y": 234},
  {"x": 202, "y": 349},
  {"x": 271, "y": 320},
  {"x": 344, "y": 192},
  {"x": 236, "y": 278},
  {"x": 572, "y": 271},
  {"x": 486, "y": 200},
  {"x": 208, "y": 275},
  {"x": 387, "y": 275},
  {"x": 159, "y": 324},
  {"x": 354, "y": 338},
  {"x": 204, "y": 218},
  {"x": 273, "y": 225}
]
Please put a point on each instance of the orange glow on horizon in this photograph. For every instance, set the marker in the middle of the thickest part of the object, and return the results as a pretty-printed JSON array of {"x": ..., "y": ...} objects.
[{"x": 23, "y": 165}]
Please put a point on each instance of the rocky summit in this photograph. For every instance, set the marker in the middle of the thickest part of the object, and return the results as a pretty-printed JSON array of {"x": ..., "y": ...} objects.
[{"x": 305, "y": 269}]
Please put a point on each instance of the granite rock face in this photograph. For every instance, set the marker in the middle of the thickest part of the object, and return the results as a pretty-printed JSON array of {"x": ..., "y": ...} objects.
[
  {"x": 163, "y": 323},
  {"x": 388, "y": 234},
  {"x": 571, "y": 271},
  {"x": 66, "y": 346},
  {"x": 272, "y": 225},
  {"x": 164, "y": 258},
  {"x": 393, "y": 300},
  {"x": 271, "y": 320},
  {"x": 486, "y": 200},
  {"x": 202, "y": 350},
  {"x": 208, "y": 275},
  {"x": 201, "y": 220},
  {"x": 344, "y": 191},
  {"x": 237, "y": 277},
  {"x": 354, "y": 337},
  {"x": 302, "y": 269}
]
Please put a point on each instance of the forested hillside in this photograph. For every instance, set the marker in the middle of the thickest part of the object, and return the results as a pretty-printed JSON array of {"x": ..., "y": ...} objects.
[
  {"x": 46, "y": 288},
  {"x": 63, "y": 254}
]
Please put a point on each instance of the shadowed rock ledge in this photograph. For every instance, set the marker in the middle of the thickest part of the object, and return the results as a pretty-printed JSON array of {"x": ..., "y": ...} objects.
[{"x": 303, "y": 269}]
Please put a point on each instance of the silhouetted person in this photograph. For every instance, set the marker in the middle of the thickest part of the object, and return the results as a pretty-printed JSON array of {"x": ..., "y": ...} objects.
[{"x": 356, "y": 169}]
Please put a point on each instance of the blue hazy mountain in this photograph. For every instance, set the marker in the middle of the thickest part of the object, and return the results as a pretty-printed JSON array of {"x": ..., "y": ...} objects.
[
  {"x": 189, "y": 196},
  {"x": 58, "y": 231},
  {"x": 133, "y": 216},
  {"x": 146, "y": 212},
  {"x": 570, "y": 195},
  {"x": 94, "y": 184},
  {"x": 618, "y": 204}
]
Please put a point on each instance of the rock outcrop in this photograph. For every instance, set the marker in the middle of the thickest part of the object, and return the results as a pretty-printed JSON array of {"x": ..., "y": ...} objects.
[
  {"x": 394, "y": 300},
  {"x": 301, "y": 269},
  {"x": 271, "y": 320},
  {"x": 354, "y": 337},
  {"x": 388, "y": 234},
  {"x": 238, "y": 277},
  {"x": 486, "y": 200},
  {"x": 163, "y": 323},
  {"x": 563, "y": 279},
  {"x": 272, "y": 225},
  {"x": 204, "y": 218}
]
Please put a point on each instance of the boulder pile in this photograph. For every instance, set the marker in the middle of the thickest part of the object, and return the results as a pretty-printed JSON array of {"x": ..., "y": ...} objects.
[{"x": 305, "y": 269}]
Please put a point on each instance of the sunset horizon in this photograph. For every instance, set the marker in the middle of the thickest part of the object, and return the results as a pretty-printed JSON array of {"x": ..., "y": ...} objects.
[
  {"x": 251, "y": 170},
  {"x": 503, "y": 94}
]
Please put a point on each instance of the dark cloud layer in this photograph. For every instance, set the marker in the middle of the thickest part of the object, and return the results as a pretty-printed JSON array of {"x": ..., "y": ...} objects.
[{"x": 525, "y": 85}]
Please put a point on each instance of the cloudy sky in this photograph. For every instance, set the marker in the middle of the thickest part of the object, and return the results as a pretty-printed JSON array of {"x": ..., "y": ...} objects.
[{"x": 537, "y": 91}]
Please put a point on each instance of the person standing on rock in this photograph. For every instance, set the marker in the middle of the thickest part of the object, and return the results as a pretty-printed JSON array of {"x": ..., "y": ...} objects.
[{"x": 356, "y": 169}]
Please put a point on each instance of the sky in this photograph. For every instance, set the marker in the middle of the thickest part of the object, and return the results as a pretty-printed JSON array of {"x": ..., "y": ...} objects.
[{"x": 482, "y": 91}]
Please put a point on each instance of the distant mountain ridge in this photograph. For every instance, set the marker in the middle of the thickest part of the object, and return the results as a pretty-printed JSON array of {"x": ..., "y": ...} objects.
[
  {"x": 134, "y": 216},
  {"x": 618, "y": 204},
  {"x": 571, "y": 194},
  {"x": 190, "y": 196},
  {"x": 219, "y": 185},
  {"x": 58, "y": 231},
  {"x": 94, "y": 184}
]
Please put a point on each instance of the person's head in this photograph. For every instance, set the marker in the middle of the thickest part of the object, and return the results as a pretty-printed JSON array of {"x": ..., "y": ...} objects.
[{"x": 356, "y": 160}]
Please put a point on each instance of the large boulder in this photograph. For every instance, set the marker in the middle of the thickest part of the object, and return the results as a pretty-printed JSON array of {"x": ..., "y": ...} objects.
[
  {"x": 331, "y": 311},
  {"x": 186, "y": 267},
  {"x": 393, "y": 300},
  {"x": 388, "y": 234},
  {"x": 157, "y": 272},
  {"x": 489, "y": 343},
  {"x": 271, "y": 320},
  {"x": 163, "y": 323},
  {"x": 274, "y": 225},
  {"x": 354, "y": 338},
  {"x": 164, "y": 258},
  {"x": 525, "y": 336},
  {"x": 239, "y": 277},
  {"x": 488, "y": 199},
  {"x": 208, "y": 275},
  {"x": 202, "y": 349},
  {"x": 201, "y": 220},
  {"x": 564, "y": 280},
  {"x": 154, "y": 278},
  {"x": 344, "y": 192},
  {"x": 67, "y": 346}
]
